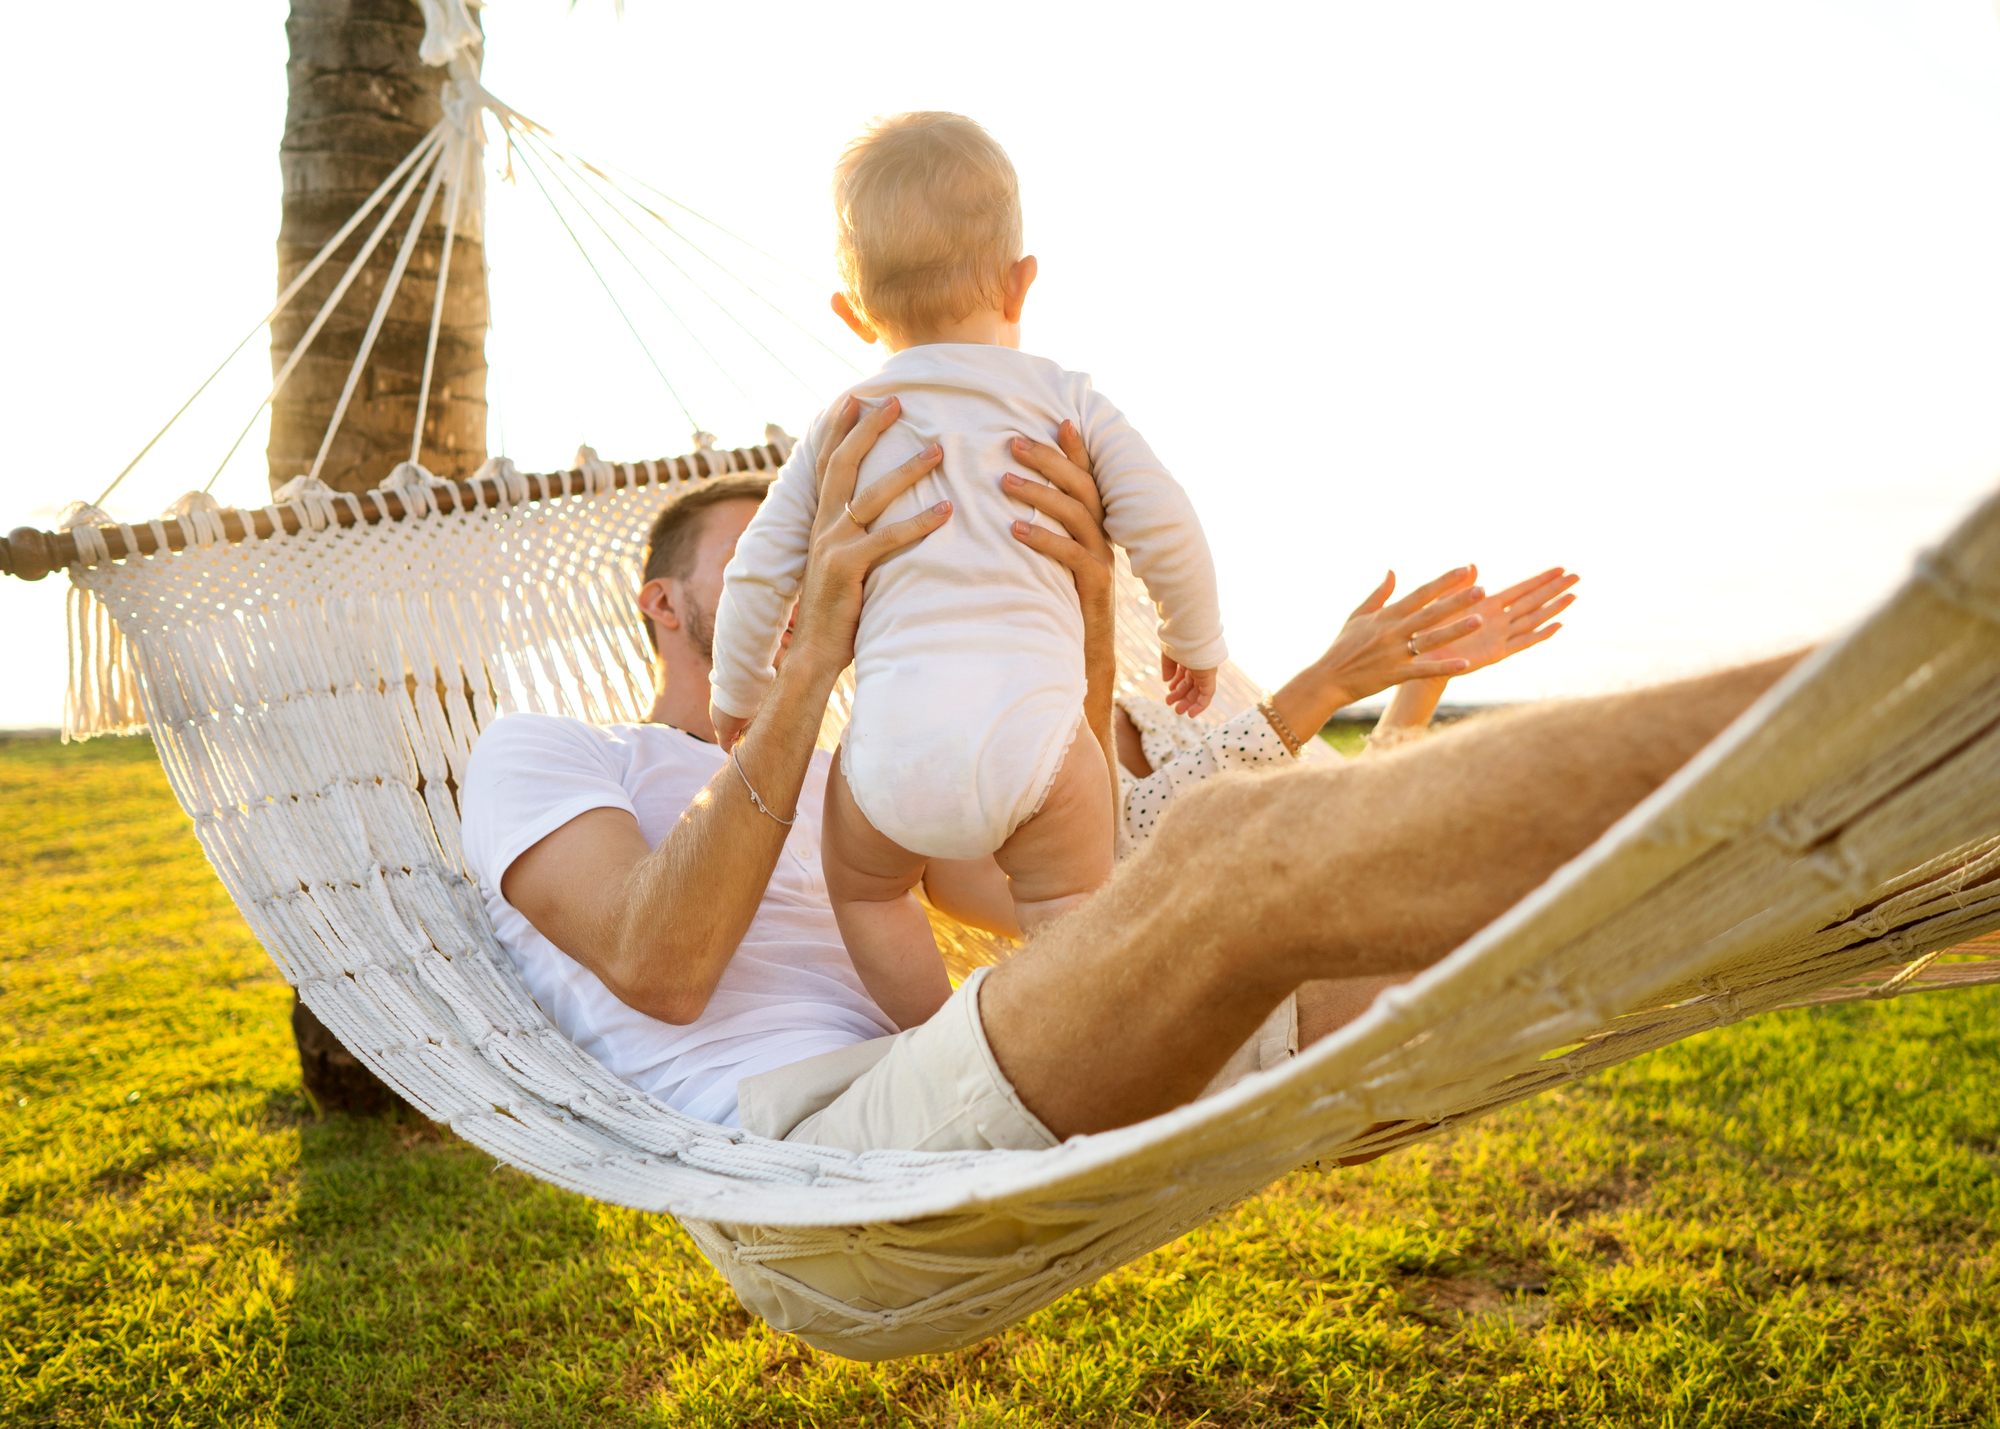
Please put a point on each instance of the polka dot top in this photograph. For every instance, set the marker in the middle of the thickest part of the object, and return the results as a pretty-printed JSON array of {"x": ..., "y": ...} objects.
[{"x": 1183, "y": 752}]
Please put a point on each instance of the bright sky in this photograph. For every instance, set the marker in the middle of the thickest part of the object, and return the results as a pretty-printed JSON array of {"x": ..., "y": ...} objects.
[{"x": 1699, "y": 298}]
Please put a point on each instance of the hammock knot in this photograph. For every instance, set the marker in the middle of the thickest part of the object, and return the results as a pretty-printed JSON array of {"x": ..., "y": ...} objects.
[
  {"x": 1937, "y": 570},
  {"x": 189, "y": 502},
  {"x": 598, "y": 474},
  {"x": 1793, "y": 830},
  {"x": 310, "y": 499},
  {"x": 79, "y": 514},
  {"x": 407, "y": 476},
  {"x": 1841, "y": 866},
  {"x": 81, "y": 520},
  {"x": 448, "y": 31},
  {"x": 299, "y": 486},
  {"x": 502, "y": 472},
  {"x": 200, "y": 517}
]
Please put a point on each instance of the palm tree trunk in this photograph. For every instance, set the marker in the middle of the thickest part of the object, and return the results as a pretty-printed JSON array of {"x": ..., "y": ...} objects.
[{"x": 360, "y": 99}]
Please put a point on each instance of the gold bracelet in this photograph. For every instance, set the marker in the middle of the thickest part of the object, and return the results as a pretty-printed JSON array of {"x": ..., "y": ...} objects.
[{"x": 1269, "y": 709}]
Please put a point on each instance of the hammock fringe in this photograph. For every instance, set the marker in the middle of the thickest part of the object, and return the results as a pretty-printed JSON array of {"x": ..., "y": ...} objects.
[{"x": 103, "y": 693}]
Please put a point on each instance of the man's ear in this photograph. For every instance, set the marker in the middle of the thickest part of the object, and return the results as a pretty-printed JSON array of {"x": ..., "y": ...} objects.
[
  {"x": 1020, "y": 278},
  {"x": 854, "y": 320},
  {"x": 657, "y": 599}
]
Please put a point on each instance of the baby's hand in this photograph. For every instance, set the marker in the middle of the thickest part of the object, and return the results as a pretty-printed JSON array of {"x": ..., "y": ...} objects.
[
  {"x": 728, "y": 728},
  {"x": 1188, "y": 691}
]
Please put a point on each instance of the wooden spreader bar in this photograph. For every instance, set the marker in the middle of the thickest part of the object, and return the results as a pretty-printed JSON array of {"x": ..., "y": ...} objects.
[{"x": 30, "y": 554}]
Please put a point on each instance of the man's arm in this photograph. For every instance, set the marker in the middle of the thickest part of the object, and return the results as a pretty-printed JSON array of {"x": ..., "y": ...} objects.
[{"x": 658, "y": 926}]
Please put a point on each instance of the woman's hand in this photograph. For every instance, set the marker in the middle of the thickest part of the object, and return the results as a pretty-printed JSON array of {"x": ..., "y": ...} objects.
[
  {"x": 1078, "y": 541},
  {"x": 1383, "y": 644},
  {"x": 843, "y": 549},
  {"x": 1080, "y": 545},
  {"x": 1509, "y": 621}
]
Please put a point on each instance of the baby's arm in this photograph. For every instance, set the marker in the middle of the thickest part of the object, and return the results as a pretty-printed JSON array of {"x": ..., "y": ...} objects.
[
  {"x": 1188, "y": 691},
  {"x": 757, "y": 592},
  {"x": 1147, "y": 512}
]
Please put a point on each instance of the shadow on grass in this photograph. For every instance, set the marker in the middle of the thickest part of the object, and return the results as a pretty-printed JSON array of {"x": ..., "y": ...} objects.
[{"x": 433, "y": 1285}]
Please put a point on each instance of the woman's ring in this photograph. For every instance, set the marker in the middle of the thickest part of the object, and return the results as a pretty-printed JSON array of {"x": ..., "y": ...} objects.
[
  {"x": 1412, "y": 642},
  {"x": 848, "y": 506}
]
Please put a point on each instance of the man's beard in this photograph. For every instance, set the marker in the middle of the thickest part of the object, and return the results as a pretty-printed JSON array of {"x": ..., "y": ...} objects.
[{"x": 701, "y": 631}]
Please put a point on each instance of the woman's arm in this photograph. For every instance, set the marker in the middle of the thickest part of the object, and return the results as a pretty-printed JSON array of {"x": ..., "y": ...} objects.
[
  {"x": 1360, "y": 660},
  {"x": 658, "y": 926},
  {"x": 1377, "y": 647}
]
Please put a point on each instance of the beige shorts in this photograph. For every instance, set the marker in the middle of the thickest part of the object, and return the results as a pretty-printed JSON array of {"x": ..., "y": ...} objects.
[
  {"x": 937, "y": 1088},
  {"x": 932, "y": 1088}
]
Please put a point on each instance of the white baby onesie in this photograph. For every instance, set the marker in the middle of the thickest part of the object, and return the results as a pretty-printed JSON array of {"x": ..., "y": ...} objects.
[{"x": 968, "y": 663}]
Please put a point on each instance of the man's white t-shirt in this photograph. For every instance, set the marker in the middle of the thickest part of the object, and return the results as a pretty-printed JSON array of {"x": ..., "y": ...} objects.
[{"x": 790, "y": 991}]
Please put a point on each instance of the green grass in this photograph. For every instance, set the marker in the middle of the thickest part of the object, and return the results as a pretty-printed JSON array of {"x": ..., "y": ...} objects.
[{"x": 1790, "y": 1222}]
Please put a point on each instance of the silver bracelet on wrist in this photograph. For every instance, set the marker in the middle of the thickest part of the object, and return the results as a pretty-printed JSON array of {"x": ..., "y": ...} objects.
[{"x": 762, "y": 807}]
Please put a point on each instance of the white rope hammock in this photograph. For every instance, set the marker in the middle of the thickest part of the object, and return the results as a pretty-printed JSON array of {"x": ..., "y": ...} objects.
[
  {"x": 314, "y": 698},
  {"x": 315, "y": 676}
]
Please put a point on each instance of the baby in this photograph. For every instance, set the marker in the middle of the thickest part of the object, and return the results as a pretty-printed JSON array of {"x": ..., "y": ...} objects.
[{"x": 966, "y": 738}]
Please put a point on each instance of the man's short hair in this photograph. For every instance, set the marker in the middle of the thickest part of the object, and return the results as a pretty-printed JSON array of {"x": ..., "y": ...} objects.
[
  {"x": 927, "y": 214},
  {"x": 676, "y": 531}
]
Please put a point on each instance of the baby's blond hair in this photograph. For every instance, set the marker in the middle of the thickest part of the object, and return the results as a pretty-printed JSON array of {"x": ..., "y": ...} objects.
[{"x": 927, "y": 215}]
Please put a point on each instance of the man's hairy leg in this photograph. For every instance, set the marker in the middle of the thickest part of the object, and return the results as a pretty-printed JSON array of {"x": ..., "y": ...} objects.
[{"x": 1377, "y": 868}]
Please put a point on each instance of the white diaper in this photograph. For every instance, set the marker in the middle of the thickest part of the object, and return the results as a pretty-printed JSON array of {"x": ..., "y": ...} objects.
[{"x": 940, "y": 784}]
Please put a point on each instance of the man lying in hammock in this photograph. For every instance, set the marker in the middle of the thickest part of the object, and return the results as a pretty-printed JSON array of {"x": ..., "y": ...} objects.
[{"x": 664, "y": 903}]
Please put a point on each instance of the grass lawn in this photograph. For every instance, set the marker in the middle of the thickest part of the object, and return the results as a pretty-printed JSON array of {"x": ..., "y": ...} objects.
[{"x": 1790, "y": 1222}]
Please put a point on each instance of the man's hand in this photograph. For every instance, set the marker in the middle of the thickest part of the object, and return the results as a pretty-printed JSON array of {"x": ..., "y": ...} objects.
[{"x": 844, "y": 549}]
